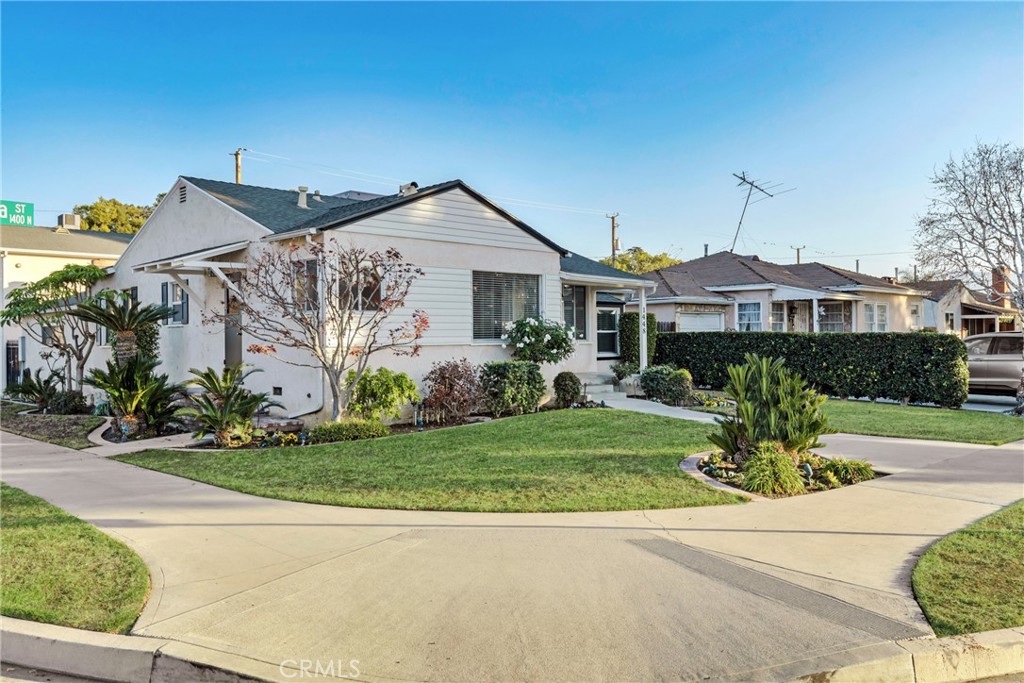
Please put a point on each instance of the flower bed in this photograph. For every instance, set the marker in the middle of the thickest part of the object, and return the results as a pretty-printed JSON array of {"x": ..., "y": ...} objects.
[{"x": 813, "y": 472}]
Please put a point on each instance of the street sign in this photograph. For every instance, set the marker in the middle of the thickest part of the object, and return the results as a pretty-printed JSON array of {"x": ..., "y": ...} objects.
[{"x": 17, "y": 213}]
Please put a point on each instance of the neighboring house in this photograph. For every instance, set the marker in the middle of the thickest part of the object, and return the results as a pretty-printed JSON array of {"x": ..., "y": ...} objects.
[
  {"x": 482, "y": 267},
  {"x": 951, "y": 307},
  {"x": 30, "y": 253},
  {"x": 728, "y": 291}
]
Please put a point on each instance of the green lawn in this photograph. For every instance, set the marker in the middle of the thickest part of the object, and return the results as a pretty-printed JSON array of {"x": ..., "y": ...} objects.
[
  {"x": 59, "y": 570},
  {"x": 914, "y": 422},
  {"x": 565, "y": 460},
  {"x": 71, "y": 431},
  {"x": 973, "y": 580}
]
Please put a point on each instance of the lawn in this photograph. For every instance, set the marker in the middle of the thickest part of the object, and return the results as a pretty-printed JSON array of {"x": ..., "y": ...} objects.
[
  {"x": 71, "y": 431},
  {"x": 59, "y": 570},
  {"x": 915, "y": 422},
  {"x": 565, "y": 460},
  {"x": 973, "y": 580}
]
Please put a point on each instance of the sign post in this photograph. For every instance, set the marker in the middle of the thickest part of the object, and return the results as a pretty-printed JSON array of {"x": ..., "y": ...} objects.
[{"x": 17, "y": 213}]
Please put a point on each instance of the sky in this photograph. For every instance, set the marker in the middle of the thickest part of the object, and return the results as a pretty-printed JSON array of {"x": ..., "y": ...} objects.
[{"x": 560, "y": 112}]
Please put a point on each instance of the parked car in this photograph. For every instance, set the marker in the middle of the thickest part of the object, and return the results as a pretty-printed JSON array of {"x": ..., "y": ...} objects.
[{"x": 994, "y": 362}]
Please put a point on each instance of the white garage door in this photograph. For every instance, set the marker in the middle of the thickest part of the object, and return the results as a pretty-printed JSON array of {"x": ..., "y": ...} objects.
[{"x": 700, "y": 322}]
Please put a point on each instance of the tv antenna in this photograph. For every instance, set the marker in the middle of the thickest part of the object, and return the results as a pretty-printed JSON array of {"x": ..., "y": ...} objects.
[{"x": 765, "y": 188}]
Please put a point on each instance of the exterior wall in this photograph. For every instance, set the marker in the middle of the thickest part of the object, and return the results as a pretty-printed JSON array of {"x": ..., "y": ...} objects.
[
  {"x": 900, "y": 319},
  {"x": 763, "y": 296}
]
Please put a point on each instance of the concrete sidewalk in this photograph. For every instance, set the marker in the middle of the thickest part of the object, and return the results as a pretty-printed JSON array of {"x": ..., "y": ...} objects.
[{"x": 758, "y": 591}]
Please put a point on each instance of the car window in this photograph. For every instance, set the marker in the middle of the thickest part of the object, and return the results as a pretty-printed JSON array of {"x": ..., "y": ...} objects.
[
  {"x": 977, "y": 347},
  {"x": 1009, "y": 346}
]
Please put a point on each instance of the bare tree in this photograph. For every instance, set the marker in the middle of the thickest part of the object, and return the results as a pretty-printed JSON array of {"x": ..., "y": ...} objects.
[
  {"x": 336, "y": 307},
  {"x": 973, "y": 227}
]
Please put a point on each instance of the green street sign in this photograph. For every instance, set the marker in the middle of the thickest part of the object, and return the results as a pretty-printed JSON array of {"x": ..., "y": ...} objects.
[{"x": 17, "y": 213}]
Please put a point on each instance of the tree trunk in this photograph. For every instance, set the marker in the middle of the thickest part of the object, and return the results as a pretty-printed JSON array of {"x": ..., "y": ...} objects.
[{"x": 125, "y": 346}]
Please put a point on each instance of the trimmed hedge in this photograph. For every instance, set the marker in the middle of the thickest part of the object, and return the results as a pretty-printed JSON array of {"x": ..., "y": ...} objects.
[
  {"x": 918, "y": 367},
  {"x": 629, "y": 337}
]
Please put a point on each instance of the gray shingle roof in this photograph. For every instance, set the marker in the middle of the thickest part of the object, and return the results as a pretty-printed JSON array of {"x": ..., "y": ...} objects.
[
  {"x": 937, "y": 288},
  {"x": 725, "y": 269},
  {"x": 824, "y": 275},
  {"x": 15, "y": 237},
  {"x": 581, "y": 265},
  {"x": 357, "y": 209}
]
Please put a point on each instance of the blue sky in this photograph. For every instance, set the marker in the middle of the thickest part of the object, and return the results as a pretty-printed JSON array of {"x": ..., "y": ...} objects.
[{"x": 644, "y": 109}]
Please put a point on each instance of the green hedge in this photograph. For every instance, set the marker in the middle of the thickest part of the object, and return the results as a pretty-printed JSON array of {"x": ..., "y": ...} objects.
[
  {"x": 903, "y": 366},
  {"x": 629, "y": 337}
]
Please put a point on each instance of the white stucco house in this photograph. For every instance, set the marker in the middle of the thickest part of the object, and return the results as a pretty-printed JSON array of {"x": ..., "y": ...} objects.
[
  {"x": 730, "y": 291},
  {"x": 481, "y": 268},
  {"x": 28, "y": 254}
]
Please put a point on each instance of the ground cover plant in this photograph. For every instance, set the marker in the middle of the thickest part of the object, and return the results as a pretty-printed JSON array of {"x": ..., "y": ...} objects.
[
  {"x": 973, "y": 579},
  {"x": 59, "y": 570},
  {"x": 71, "y": 431},
  {"x": 560, "y": 460}
]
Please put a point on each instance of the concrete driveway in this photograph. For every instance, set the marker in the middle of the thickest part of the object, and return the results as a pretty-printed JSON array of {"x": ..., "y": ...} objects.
[{"x": 753, "y": 592}]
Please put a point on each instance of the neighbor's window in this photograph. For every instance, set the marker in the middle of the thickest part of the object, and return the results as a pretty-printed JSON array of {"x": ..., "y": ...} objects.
[
  {"x": 499, "y": 298},
  {"x": 778, "y": 316},
  {"x": 171, "y": 294},
  {"x": 748, "y": 317},
  {"x": 574, "y": 308},
  {"x": 876, "y": 317},
  {"x": 915, "y": 316},
  {"x": 950, "y": 322},
  {"x": 831, "y": 319}
]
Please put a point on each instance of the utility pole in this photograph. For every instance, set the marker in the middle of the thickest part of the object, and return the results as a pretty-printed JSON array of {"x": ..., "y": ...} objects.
[
  {"x": 751, "y": 186},
  {"x": 798, "y": 250},
  {"x": 237, "y": 154},
  {"x": 615, "y": 238}
]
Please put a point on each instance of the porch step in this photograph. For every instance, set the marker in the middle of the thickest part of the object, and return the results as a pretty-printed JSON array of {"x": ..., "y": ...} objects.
[
  {"x": 595, "y": 377},
  {"x": 594, "y": 389}
]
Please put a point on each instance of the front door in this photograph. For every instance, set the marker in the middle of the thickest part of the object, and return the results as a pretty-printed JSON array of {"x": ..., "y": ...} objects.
[
  {"x": 13, "y": 373},
  {"x": 232, "y": 331},
  {"x": 608, "y": 331}
]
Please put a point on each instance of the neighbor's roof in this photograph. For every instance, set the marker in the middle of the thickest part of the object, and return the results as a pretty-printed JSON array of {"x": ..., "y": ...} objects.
[
  {"x": 47, "y": 240},
  {"x": 824, "y": 275},
  {"x": 937, "y": 288},
  {"x": 581, "y": 265},
  {"x": 725, "y": 269}
]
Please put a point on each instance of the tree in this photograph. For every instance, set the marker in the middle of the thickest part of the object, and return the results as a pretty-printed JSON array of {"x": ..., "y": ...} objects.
[
  {"x": 44, "y": 309},
  {"x": 923, "y": 274},
  {"x": 337, "y": 307},
  {"x": 636, "y": 260},
  {"x": 973, "y": 228},
  {"x": 124, "y": 317},
  {"x": 110, "y": 215}
]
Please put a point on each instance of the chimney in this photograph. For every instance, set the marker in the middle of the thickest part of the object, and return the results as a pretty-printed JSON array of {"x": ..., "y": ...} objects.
[
  {"x": 408, "y": 189},
  {"x": 1000, "y": 286},
  {"x": 316, "y": 196},
  {"x": 69, "y": 221},
  {"x": 302, "y": 196},
  {"x": 705, "y": 248}
]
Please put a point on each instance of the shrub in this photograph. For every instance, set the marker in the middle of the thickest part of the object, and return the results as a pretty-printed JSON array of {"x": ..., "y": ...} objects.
[
  {"x": 225, "y": 408},
  {"x": 512, "y": 387},
  {"x": 347, "y": 429},
  {"x": 770, "y": 471},
  {"x": 453, "y": 391},
  {"x": 140, "y": 399},
  {"x": 567, "y": 389},
  {"x": 629, "y": 337},
  {"x": 380, "y": 394},
  {"x": 847, "y": 471},
  {"x": 36, "y": 389},
  {"x": 666, "y": 384},
  {"x": 772, "y": 404},
  {"x": 622, "y": 370},
  {"x": 539, "y": 341},
  {"x": 902, "y": 366},
  {"x": 68, "y": 403},
  {"x": 147, "y": 339}
]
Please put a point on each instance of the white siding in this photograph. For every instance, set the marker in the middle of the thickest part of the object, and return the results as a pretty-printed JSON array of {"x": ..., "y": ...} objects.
[
  {"x": 551, "y": 298},
  {"x": 446, "y": 295}
]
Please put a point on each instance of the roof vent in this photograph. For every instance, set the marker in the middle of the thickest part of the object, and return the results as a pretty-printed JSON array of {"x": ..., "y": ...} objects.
[
  {"x": 316, "y": 196},
  {"x": 302, "y": 196},
  {"x": 408, "y": 189},
  {"x": 69, "y": 221}
]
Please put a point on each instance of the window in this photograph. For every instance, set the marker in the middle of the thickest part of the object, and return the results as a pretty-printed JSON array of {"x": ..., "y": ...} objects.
[
  {"x": 306, "y": 284},
  {"x": 499, "y": 298},
  {"x": 876, "y": 317},
  {"x": 171, "y": 294},
  {"x": 950, "y": 322},
  {"x": 978, "y": 347},
  {"x": 574, "y": 308},
  {"x": 133, "y": 293},
  {"x": 830, "y": 317},
  {"x": 608, "y": 331},
  {"x": 366, "y": 294},
  {"x": 748, "y": 317},
  {"x": 778, "y": 316},
  {"x": 1008, "y": 346},
  {"x": 915, "y": 316}
]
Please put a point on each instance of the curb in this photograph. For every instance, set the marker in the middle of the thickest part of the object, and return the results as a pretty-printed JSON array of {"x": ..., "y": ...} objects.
[
  {"x": 96, "y": 435},
  {"x": 956, "y": 659},
  {"x": 689, "y": 465},
  {"x": 123, "y": 659}
]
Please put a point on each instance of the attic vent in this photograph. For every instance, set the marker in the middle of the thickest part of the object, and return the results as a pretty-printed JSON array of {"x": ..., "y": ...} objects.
[{"x": 182, "y": 194}]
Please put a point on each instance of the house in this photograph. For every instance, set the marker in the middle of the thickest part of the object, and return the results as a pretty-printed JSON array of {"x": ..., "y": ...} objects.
[
  {"x": 481, "y": 267},
  {"x": 729, "y": 291},
  {"x": 951, "y": 307},
  {"x": 30, "y": 253}
]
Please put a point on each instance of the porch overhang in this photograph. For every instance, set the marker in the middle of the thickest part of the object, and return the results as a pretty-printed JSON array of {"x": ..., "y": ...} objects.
[
  {"x": 607, "y": 283},
  {"x": 194, "y": 261}
]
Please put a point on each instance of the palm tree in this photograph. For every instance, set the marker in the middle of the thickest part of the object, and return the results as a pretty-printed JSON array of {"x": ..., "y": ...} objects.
[{"x": 124, "y": 317}]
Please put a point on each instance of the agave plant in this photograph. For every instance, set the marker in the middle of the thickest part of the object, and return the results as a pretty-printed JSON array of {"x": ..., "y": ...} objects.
[
  {"x": 125, "y": 318},
  {"x": 140, "y": 399},
  {"x": 225, "y": 408}
]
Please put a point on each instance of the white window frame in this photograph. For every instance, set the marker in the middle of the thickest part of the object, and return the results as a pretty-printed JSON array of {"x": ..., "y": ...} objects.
[
  {"x": 915, "y": 316},
  {"x": 750, "y": 324},
  {"x": 501, "y": 324},
  {"x": 779, "y": 323},
  {"x": 582, "y": 334},
  {"x": 830, "y": 325},
  {"x": 873, "y": 321}
]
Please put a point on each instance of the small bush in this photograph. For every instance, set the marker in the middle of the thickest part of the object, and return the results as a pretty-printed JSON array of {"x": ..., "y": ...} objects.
[
  {"x": 36, "y": 389},
  {"x": 567, "y": 389},
  {"x": 666, "y": 384},
  {"x": 629, "y": 337},
  {"x": 380, "y": 394},
  {"x": 453, "y": 391},
  {"x": 539, "y": 341},
  {"x": 770, "y": 471},
  {"x": 68, "y": 403},
  {"x": 847, "y": 471},
  {"x": 512, "y": 387},
  {"x": 622, "y": 370},
  {"x": 347, "y": 429}
]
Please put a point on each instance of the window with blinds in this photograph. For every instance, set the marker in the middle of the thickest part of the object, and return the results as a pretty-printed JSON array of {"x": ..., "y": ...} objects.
[
  {"x": 499, "y": 298},
  {"x": 574, "y": 309}
]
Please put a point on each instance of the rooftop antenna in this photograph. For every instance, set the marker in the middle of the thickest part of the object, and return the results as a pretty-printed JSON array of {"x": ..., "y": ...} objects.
[{"x": 752, "y": 185}]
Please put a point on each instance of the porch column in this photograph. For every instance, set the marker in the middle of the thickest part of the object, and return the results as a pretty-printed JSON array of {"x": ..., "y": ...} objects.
[
  {"x": 643, "y": 328},
  {"x": 814, "y": 315}
]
